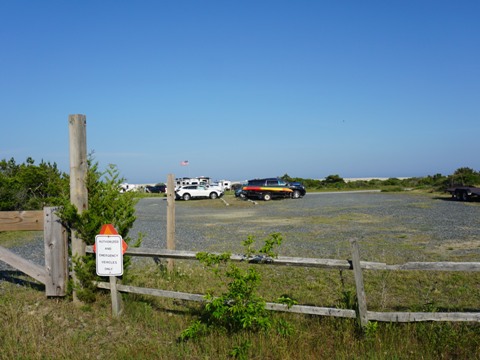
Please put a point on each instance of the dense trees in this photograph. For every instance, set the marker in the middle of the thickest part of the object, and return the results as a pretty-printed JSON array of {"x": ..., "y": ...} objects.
[
  {"x": 465, "y": 176},
  {"x": 30, "y": 187}
]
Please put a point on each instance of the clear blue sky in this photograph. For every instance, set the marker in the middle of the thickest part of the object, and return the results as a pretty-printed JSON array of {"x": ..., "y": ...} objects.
[{"x": 244, "y": 89}]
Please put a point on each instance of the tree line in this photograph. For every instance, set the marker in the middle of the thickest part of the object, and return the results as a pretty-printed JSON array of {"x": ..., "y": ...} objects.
[
  {"x": 438, "y": 182},
  {"x": 30, "y": 186}
]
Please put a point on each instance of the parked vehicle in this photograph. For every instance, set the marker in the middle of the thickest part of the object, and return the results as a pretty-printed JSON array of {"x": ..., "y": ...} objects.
[
  {"x": 159, "y": 188},
  {"x": 227, "y": 185},
  {"x": 240, "y": 193},
  {"x": 124, "y": 187},
  {"x": 298, "y": 189},
  {"x": 188, "y": 192},
  {"x": 464, "y": 193},
  {"x": 271, "y": 188},
  {"x": 236, "y": 186},
  {"x": 216, "y": 186},
  {"x": 201, "y": 180}
]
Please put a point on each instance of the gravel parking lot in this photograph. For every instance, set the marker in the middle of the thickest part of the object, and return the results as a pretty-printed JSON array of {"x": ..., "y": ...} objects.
[{"x": 390, "y": 227}]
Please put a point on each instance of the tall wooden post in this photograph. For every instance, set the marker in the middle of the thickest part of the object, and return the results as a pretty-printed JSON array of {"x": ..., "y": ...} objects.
[
  {"x": 78, "y": 177},
  {"x": 170, "y": 219}
]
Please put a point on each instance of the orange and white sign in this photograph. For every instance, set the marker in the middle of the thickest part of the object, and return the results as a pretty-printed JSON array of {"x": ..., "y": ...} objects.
[{"x": 109, "y": 248}]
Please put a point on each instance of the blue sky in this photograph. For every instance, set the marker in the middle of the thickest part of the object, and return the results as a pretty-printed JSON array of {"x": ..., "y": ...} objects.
[{"x": 244, "y": 89}]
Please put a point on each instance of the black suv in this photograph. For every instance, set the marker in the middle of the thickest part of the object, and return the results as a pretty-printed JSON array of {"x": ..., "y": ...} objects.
[
  {"x": 298, "y": 190},
  {"x": 159, "y": 188}
]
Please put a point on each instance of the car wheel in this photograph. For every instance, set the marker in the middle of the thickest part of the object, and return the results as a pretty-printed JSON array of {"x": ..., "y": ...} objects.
[
  {"x": 461, "y": 195},
  {"x": 213, "y": 195},
  {"x": 296, "y": 194},
  {"x": 267, "y": 196},
  {"x": 186, "y": 196}
]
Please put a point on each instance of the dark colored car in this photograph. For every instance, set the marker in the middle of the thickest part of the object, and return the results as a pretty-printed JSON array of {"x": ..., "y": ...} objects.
[
  {"x": 298, "y": 189},
  {"x": 240, "y": 193},
  {"x": 155, "y": 189},
  {"x": 270, "y": 188},
  {"x": 236, "y": 186}
]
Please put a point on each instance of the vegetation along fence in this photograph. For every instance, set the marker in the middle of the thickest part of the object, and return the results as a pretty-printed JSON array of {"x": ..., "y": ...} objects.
[{"x": 355, "y": 265}]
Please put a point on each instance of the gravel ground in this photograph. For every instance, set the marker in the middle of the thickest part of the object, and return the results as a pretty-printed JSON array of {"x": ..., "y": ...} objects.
[{"x": 390, "y": 227}]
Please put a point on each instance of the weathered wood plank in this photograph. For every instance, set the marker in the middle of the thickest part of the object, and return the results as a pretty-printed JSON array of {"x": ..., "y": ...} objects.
[
  {"x": 33, "y": 270},
  {"x": 21, "y": 220},
  {"x": 153, "y": 292},
  {"x": 300, "y": 309},
  {"x": 357, "y": 270},
  {"x": 312, "y": 310},
  {"x": 56, "y": 254},
  {"x": 438, "y": 266},
  {"x": 281, "y": 260},
  {"x": 116, "y": 297},
  {"x": 311, "y": 262},
  {"x": 77, "y": 129},
  {"x": 421, "y": 316}
]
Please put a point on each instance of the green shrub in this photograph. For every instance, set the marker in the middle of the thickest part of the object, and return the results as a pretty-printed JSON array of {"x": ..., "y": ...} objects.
[
  {"x": 239, "y": 308},
  {"x": 106, "y": 205}
]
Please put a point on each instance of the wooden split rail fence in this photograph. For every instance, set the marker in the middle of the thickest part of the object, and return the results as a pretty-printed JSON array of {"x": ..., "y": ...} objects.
[
  {"x": 54, "y": 275},
  {"x": 55, "y": 272},
  {"x": 355, "y": 264}
]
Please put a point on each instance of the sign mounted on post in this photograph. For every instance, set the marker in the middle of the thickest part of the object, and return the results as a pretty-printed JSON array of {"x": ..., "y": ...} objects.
[{"x": 109, "y": 248}]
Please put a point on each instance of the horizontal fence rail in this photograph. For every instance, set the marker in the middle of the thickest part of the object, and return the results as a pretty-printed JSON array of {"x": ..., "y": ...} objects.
[
  {"x": 21, "y": 220},
  {"x": 301, "y": 309},
  {"x": 310, "y": 262}
]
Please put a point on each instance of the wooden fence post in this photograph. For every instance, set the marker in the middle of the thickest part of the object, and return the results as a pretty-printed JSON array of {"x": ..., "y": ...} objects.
[
  {"x": 170, "y": 219},
  {"x": 116, "y": 297},
  {"x": 56, "y": 253},
  {"x": 78, "y": 178},
  {"x": 357, "y": 270}
]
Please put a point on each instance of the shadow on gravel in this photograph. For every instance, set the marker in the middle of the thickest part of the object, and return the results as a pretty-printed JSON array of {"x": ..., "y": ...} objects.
[
  {"x": 17, "y": 277},
  {"x": 472, "y": 200}
]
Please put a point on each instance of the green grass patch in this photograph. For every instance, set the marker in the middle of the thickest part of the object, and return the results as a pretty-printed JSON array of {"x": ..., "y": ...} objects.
[
  {"x": 17, "y": 238},
  {"x": 35, "y": 327}
]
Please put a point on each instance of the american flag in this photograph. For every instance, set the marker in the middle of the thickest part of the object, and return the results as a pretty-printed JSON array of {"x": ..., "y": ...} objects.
[{"x": 184, "y": 163}]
